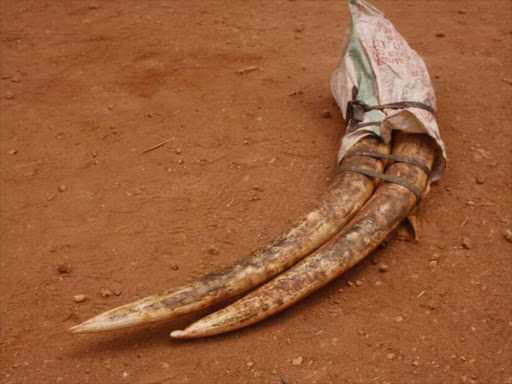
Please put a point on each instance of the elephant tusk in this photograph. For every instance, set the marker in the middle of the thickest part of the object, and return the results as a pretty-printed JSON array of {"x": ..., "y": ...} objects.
[
  {"x": 390, "y": 204},
  {"x": 345, "y": 197}
]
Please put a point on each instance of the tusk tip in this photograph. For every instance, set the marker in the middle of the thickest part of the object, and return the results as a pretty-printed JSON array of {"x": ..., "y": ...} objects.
[
  {"x": 95, "y": 324},
  {"x": 85, "y": 327},
  {"x": 179, "y": 334},
  {"x": 76, "y": 329}
]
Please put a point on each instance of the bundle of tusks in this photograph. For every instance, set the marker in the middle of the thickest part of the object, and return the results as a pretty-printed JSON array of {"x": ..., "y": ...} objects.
[
  {"x": 378, "y": 184},
  {"x": 357, "y": 214}
]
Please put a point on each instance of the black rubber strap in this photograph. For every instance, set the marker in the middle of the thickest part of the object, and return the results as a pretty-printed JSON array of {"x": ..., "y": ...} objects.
[
  {"x": 397, "y": 158},
  {"x": 357, "y": 108},
  {"x": 404, "y": 104},
  {"x": 352, "y": 128},
  {"x": 382, "y": 176}
]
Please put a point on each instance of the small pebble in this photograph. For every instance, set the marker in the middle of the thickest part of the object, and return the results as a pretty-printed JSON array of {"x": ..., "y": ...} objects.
[
  {"x": 415, "y": 364},
  {"x": 63, "y": 269},
  {"x": 179, "y": 151},
  {"x": 62, "y": 188},
  {"x": 465, "y": 243},
  {"x": 79, "y": 298},
  {"x": 358, "y": 283},
  {"x": 399, "y": 319},
  {"x": 390, "y": 356},
  {"x": 15, "y": 79},
  {"x": 440, "y": 34},
  {"x": 174, "y": 266},
  {"x": 507, "y": 234},
  {"x": 250, "y": 364},
  {"x": 285, "y": 380},
  {"x": 435, "y": 256},
  {"x": 470, "y": 203},
  {"x": 9, "y": 95},
  {"x": 118, "y": 291},
  {"x": 213, "y": 250},
  {"x": 12, "y": 152},
  {"x": 106, "y": 292},
  {"x": 93, "y": 6},
  {"x": 326, "y": 114},
  {"x": 180, "y": 161},
  {"x": 297, "y": 361},
  {"x": 383, "y": 268},
  {"x": 433, "y": 263},
  {"x": 480, "y": 179}
]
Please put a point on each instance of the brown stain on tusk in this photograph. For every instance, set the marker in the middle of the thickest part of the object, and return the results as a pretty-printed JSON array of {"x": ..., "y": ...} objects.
[
  {"x": 390, "y": 204},
  {"x": 344, "y": 198}
]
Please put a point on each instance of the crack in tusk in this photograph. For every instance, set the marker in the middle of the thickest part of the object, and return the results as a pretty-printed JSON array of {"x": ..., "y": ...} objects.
[
  {"x": 390, "y": 204},
  {"x": 345, "y": 197}
]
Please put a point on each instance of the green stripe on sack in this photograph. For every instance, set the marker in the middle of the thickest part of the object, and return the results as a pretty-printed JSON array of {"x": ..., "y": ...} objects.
[{"x": 364, "y": 74}]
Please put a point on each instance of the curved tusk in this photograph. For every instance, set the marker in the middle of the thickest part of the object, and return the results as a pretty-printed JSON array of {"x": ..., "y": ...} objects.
[
  {"x": 390, "y": 204},
  {"x": 345, "y": 197}
]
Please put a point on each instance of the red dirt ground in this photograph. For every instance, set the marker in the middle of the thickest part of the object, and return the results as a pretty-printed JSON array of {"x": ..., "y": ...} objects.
[{"x": 86, "y": 87}]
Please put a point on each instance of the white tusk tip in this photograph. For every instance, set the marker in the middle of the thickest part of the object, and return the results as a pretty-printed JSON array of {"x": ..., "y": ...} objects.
[
  {"x": 76, "y": 329},
  {"x": 179, "y": 334}
]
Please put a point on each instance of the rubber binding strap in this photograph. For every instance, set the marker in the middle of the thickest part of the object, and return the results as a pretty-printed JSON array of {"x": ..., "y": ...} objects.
[
  {"x": 382, "y": 176},
  {"x": 396, "y": 158},
  {"x": 357, "y": 108}
]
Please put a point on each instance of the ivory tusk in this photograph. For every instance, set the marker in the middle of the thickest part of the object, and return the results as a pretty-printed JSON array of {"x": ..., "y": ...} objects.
[
  {"x": 345, "y": 197},
  {"x": 390, "y": 204}
]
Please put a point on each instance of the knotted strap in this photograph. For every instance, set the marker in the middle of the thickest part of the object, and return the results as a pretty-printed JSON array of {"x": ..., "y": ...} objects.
[{"x": 357, "y": 108}]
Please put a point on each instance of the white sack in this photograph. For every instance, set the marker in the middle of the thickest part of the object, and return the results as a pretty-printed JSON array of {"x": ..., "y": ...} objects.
[{"x": 378, "y": 60}]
